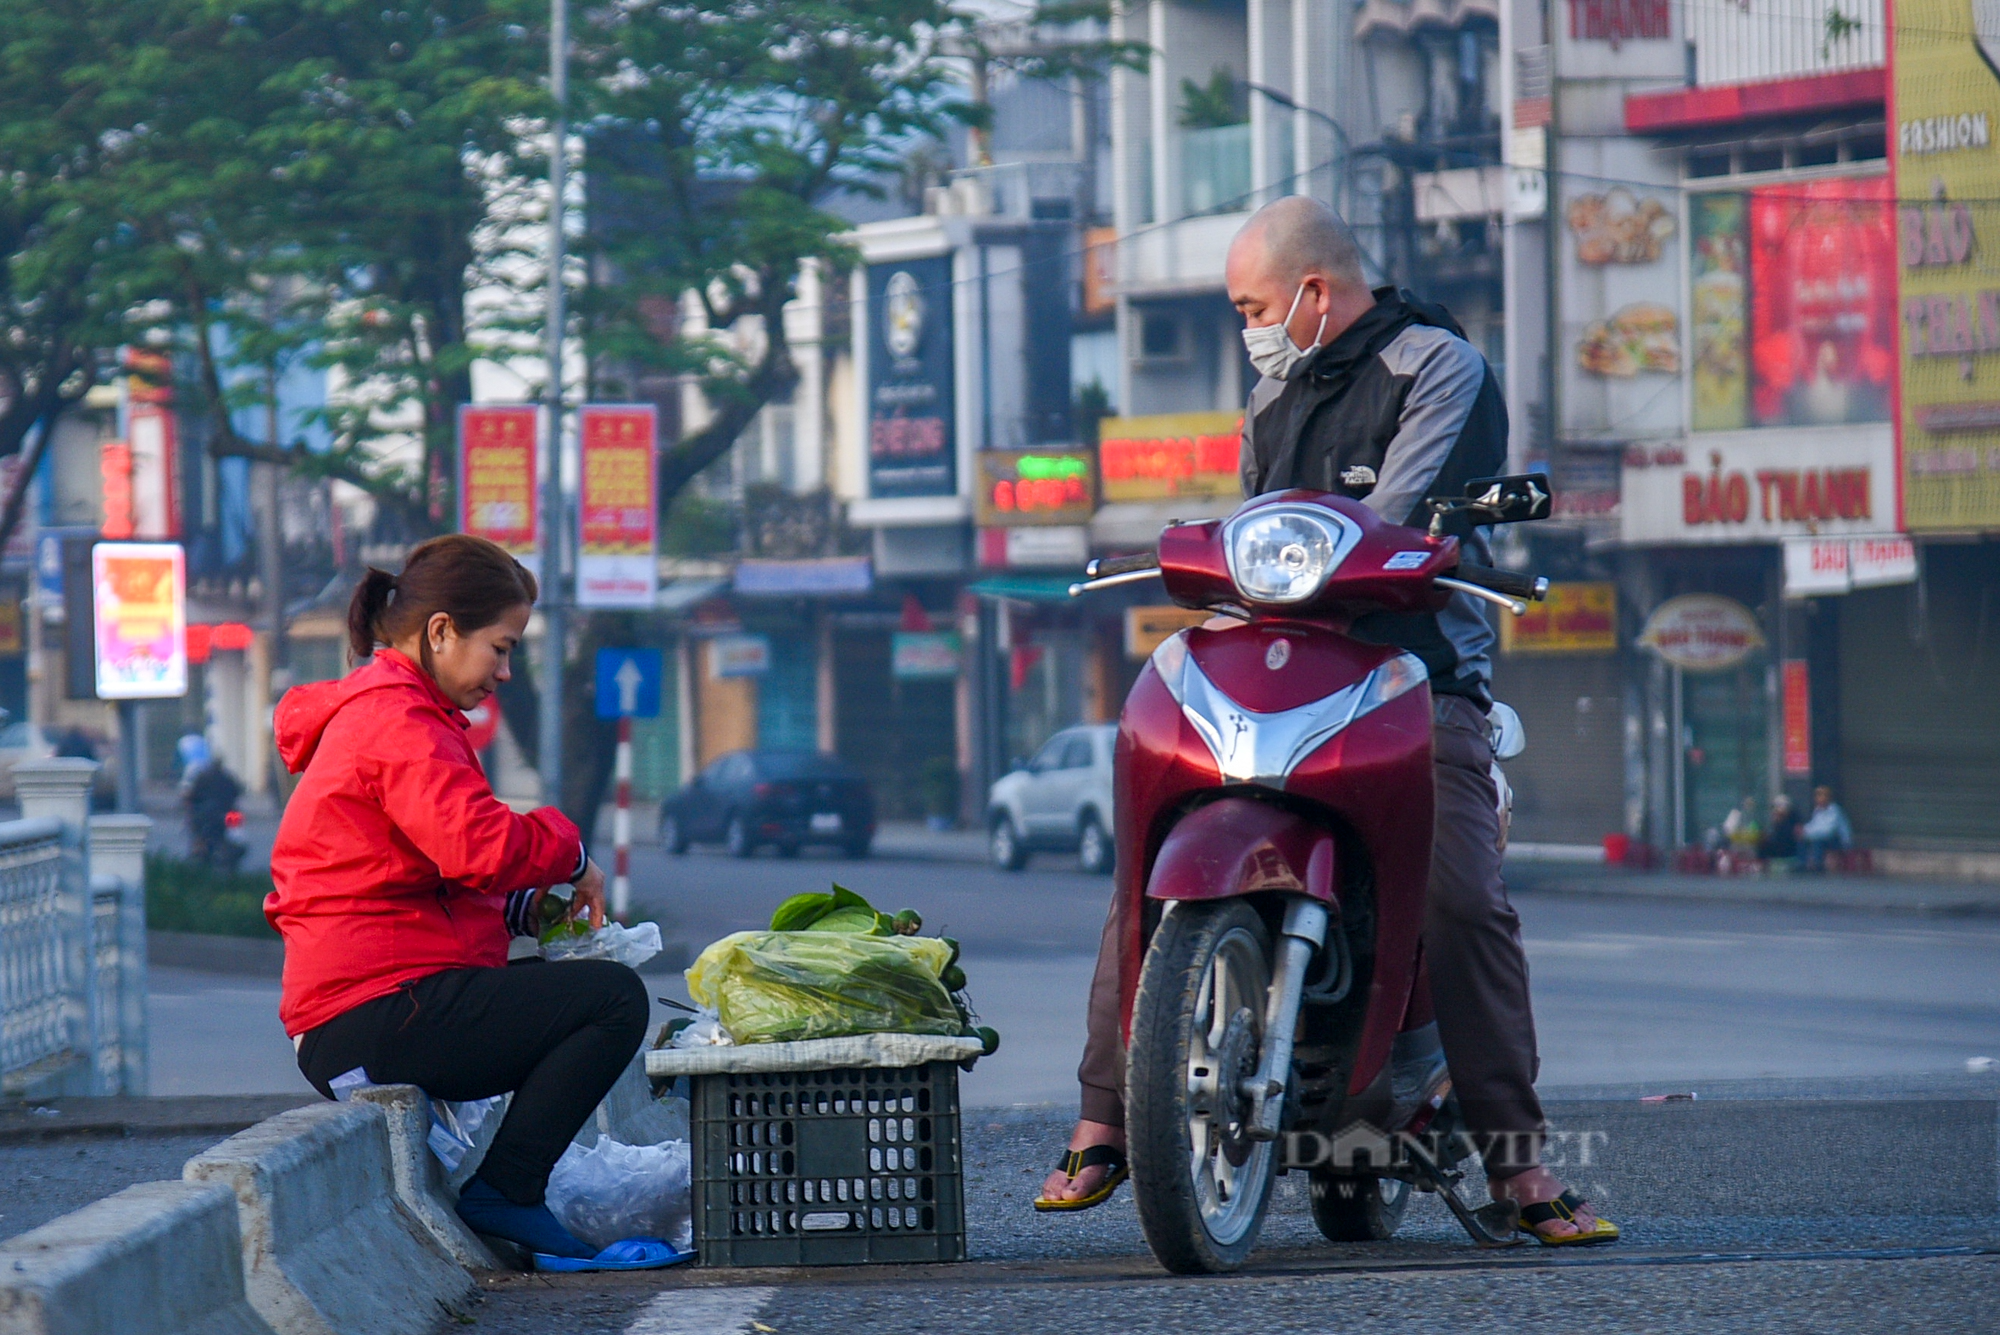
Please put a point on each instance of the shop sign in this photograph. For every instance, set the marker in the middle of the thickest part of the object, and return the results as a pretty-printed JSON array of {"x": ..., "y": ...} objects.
[
  {"x": 1044, "y": 548},
  {"x": 1946, "y": 95},
  {"x": 1702, "y": 632},
  {"x": 1035, "y": 487},
  {"x": 1577, "y": 618},
  {"x": 739, "y": 656},
  {"x": 1749, "y": 485},
  {"x": 10, "y": 630},
  {"x": 1797, "y": 701},
  {"x": 497, "y": 475},
  {"x": 1146, "y": 628},
  {"x": 139, "y": 607},
  {"x": 1620, "y": 21},
  {"x": 912, "y": 445},
  {"x": 1171, "y": 456},
  {"x": 618, "y": 505},
  {"x": 924, "y": 655},
  {"x": 1818, "y": 567},
  {"x": 155, "y": 446},
  {"x": 809, "y": 577}
]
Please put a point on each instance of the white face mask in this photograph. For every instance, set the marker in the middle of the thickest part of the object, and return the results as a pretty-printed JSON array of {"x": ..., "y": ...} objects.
[{"x": 1271, "y": 348}]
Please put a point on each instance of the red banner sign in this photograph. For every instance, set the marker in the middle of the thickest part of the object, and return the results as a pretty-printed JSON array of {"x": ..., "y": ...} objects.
[
  {"x": 618, "y": 506},
  {"x": 1798, "y": 717},
  {"x": 496, "y": 473}
]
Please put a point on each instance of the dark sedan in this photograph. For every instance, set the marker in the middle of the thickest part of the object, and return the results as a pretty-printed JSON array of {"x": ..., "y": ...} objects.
[{"x": 786, "y": 799}]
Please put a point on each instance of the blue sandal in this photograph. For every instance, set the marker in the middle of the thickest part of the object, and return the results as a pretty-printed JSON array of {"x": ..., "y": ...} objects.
[{"x": 630, "y": 1254}]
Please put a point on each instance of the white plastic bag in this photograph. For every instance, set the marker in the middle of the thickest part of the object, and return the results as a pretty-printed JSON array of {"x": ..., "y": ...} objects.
[
  {"x": 613, "y": 1191},
  {"x": 705, "y": 1032},
  {"x": 630, "y": 946}
]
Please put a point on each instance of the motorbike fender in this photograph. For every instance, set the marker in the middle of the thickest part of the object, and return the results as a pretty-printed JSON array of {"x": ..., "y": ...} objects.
[{"x": 1235, "y": 846}]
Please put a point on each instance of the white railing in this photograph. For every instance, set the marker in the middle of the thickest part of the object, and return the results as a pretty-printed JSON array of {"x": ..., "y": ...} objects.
[
  {"x": 72, "y": 945},
  {"x": 1782, "y": 39},
  {"x": 35, "y": 934}
]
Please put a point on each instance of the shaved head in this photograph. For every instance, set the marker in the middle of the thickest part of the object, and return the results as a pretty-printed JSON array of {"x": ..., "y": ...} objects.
[
  {"x": 1299, "y": 236},
  {"x": 1296, "y": 263}
]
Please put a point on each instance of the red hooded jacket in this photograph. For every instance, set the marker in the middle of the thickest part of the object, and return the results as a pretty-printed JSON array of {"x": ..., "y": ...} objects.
[{"x": 394, "y": 858}]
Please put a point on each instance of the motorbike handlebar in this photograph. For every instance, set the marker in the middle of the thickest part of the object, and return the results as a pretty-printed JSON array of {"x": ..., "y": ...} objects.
[
  {"x": 1504, "y": 581},
  {"x": 1106, "y": 566}
]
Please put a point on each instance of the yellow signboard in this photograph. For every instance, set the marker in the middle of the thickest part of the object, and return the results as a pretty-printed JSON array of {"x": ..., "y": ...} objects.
[
  {"x": 1146, "y": 627},
  {"x": 1170, "y": 456},
  {"x": 1574, "y": 619},
  {"x": 1947, "y": 112}
]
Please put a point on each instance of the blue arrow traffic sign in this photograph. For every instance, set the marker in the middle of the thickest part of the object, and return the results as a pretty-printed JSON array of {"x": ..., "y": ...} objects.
[{"x": 628, "y": 683}]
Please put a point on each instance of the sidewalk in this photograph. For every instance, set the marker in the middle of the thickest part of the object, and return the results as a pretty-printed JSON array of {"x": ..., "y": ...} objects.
[{"x": 1863, "y": 894}]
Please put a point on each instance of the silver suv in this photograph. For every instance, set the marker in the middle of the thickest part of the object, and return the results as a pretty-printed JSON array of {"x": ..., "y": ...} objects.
[{"x": 1060, "y": 800}]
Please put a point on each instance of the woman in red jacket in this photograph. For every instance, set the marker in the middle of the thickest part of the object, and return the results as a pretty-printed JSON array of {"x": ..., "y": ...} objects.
[{"x": 400, "y": 878}]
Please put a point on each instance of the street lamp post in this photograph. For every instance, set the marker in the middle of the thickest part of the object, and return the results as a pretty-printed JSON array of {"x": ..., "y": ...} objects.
[{"x": 554, "y": 514}]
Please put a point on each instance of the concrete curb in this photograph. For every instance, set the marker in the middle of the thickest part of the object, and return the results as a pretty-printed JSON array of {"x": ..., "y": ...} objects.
[
  {"x": 160, "y": 1258},
  {"x": 328, "y": 1249},
  {"x": 421, "y": 1184}
]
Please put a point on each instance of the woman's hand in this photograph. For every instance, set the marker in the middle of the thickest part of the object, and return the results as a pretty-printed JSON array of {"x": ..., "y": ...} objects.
[{"x": 588, "y": 901}]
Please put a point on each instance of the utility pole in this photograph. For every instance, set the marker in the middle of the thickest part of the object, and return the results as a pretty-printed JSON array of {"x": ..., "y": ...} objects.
[{"x": 555, "y": 628}]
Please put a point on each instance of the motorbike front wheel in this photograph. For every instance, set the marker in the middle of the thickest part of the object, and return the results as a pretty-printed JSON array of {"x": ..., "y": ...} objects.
[{"x": 1201, "y": 1184}]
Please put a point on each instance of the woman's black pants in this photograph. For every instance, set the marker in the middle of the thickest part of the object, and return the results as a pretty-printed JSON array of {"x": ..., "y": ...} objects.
[{"x": 556, "y": 1035}]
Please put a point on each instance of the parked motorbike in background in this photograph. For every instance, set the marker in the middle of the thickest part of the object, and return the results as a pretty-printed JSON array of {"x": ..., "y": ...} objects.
[{"x": 1273, "y": 795}]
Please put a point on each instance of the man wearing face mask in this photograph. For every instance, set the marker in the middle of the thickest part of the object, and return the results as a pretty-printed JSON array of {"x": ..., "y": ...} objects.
[{"x": 1376, "y": 396}]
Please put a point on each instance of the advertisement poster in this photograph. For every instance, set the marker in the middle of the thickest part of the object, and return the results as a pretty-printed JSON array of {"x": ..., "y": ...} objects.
[
  {"x": 912, "y": 441},
  {"x": 1579, "y": 618},
  {"x": 1619, "y": 293},
  {"x": 496, "y": 475},
  {"x": 1947, "y": 101},
  {"x": 139, "y": 609},
  {"x": 1719, "y": 304},
  {"x": 618, "y": 507},
  {"x": 1169, "y": 456}
]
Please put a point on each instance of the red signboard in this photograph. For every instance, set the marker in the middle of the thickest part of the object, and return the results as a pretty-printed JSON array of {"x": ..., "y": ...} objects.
[
  {"x": 1798, "y": 718},
  {"x": 618, "y": 506},
  {"x": 496, "y": 473}
]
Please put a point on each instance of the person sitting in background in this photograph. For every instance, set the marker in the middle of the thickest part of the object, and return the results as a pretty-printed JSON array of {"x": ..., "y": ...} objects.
[
  {"x": 1826, "y": 829},
  {"x": 1781, "y": 832}
]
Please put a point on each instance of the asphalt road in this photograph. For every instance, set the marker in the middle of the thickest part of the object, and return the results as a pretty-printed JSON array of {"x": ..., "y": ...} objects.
[{"x": 1772, "y": 1014}]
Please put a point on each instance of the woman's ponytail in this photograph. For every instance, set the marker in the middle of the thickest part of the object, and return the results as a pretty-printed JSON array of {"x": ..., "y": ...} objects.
[
  {"x": 469, "y": 579},
  {"x": 364, "y": 612}
]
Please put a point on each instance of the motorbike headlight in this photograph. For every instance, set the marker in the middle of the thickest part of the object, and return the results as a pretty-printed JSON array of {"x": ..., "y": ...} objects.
[{"x": 1284, "y": 553}]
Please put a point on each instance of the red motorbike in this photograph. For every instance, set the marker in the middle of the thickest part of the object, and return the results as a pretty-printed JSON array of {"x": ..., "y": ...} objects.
[{"x": 1273, "y": 798}]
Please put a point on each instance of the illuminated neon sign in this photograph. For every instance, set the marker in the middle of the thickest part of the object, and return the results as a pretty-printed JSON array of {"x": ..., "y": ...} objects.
[{"x": 1036, "y": 487}]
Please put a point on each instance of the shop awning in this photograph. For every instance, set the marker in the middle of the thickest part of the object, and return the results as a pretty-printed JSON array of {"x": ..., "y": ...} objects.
[{"x": 1027, "y": 588}]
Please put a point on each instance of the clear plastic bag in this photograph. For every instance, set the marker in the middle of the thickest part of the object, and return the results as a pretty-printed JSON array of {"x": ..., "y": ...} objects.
[
  {"x": 781, "y": 987},
  {"x": 630, "y": 946},
  {"x": 705, "y": 1031},
  {"x": 455, "y": 1128},
  {"x": 613, "y": 1191}
]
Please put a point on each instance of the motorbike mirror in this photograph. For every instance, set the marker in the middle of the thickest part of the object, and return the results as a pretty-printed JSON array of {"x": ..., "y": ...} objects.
[{"x": 1512, "y": 500}]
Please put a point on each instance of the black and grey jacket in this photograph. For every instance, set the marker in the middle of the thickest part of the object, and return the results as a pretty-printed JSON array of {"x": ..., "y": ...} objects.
[{"x": 1396, "y": 410}]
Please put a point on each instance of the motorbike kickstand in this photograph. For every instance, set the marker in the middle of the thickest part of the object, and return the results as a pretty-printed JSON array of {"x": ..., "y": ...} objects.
[{"x": 1492, "y": 1226}]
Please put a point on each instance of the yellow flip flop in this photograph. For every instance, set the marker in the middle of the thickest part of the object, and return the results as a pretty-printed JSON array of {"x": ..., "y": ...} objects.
[
  {"x": 1564, "y": 1208},
  {"x": 1074, "y": 1162}
]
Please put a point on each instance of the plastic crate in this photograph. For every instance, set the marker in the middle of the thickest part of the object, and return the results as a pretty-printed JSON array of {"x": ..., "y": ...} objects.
[{"x": 832, "y": 1167}]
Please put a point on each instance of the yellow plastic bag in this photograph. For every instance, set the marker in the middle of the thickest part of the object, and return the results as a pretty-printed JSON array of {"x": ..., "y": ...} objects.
[{"x": 781, "y": 987}]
